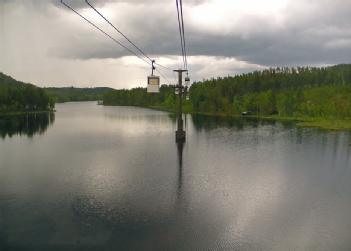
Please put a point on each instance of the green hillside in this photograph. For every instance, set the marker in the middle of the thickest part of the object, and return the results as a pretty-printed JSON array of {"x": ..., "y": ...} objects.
[
  {"x": 309, "y": 94},
  {"x": 16, "y": 96}
]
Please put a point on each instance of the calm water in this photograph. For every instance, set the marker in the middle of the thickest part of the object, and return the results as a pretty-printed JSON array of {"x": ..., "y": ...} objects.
[{"x": 112, "y": 178}]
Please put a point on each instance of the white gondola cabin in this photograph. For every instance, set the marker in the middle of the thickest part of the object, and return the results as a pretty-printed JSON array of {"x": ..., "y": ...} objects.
[
  {"x": 187, "y": 84},
  {"x": 153, "y": 84},
  {"x": 187, "y": 81}
]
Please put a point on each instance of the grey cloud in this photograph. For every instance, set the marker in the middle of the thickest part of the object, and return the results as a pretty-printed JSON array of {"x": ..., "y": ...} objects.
[
  {"x": 73, "y": 3},
  {"x": 311, "y": 32},
  {"x": 317, "y": 34},
  {"x": 98, "y": 3}
]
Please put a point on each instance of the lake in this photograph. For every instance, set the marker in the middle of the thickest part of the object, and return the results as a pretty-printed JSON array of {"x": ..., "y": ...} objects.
[{"x": 91, "y": 177}]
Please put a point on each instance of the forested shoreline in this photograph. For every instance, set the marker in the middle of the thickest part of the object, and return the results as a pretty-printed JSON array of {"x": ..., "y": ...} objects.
[
  {"x": 309, "y": 94},
  {"x": 318, "y": 96},
  {"x": 19, "y": 97},
  {"x": 73, "y": 94}
]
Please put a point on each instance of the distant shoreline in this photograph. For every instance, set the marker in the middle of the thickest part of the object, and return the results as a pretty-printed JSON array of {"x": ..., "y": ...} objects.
[{"x": 319, "y": 123}]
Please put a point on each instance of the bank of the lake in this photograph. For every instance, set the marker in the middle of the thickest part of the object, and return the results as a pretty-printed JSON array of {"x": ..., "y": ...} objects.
[
  {"x": 313, "y": 97},
  {"x": 320, "y": 123},
  {"x": 337, "y": 125}
]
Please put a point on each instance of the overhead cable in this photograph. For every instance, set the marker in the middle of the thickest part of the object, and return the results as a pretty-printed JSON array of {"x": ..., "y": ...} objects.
[
  {"x": 120, "y": 32},
  {"x": 180, "y": 31},
  {"x": 115, "y": 40},
  {"x": 128, "y": 39},
  {"x": 183, "y": 32},
  {"x": 105, "y": 33}
]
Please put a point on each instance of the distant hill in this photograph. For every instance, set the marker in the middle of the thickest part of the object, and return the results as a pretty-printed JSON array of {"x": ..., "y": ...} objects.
[
  {"x": 67, "y": 94},
  {"x": 17, "y": 96}
]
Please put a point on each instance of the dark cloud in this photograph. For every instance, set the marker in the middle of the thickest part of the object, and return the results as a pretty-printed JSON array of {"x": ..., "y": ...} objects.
[
  {"x": 81, "y": 3},
  {"x": 47, "y": 3},
  {"x": 317, "y": 33},
  {"x": 314, "y": 32}
]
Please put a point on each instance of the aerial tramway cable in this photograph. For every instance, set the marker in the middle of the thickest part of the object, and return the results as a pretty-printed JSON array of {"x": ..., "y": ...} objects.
[
  {"x": 125, "y": 36},
  {"x": 120, "y": 32},
  {"x": 179, "y": 5},
  {"x": 105, "y": 33},
  {"x": 183, "y": 33},
  {"x": 143, "y": 55},
  {"x": 180, "y": 32}
]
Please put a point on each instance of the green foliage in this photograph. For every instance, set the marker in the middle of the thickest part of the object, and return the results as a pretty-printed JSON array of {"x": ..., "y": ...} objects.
[
  {"x": 18, "y": 96},
  {"x": 303, "y": 91},
  {"x": 139, "y": 97},
  {"x": 286, "y": 92},
  {"x": 68, "y": 94}
]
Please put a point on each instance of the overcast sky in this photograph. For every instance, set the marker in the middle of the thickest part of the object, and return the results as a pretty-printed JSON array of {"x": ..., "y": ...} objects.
[{"x": 45, "y": 43}]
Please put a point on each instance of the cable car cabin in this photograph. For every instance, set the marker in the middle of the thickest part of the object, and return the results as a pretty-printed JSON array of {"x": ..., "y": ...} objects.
[
  {"x": 153, "y": 84},
  {"x": 187, "y": 81}
]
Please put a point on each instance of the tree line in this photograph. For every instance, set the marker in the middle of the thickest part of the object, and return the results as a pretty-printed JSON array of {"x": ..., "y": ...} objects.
[
  {"x": 139, "y": 97},
  {"x": 293, "y": 92},
  {"x": 70, "y": 94},
  {"x": 17, "y": 96}
]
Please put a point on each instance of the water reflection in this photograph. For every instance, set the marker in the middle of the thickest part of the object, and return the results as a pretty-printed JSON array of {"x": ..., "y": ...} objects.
[
  {"x": 180, "y": 147},
  {"x": 27, "y": 124},
  {"x": 135, "y": 114},
  {"x": 204, "y": 122},
  {"x": 112, "y": 178}
]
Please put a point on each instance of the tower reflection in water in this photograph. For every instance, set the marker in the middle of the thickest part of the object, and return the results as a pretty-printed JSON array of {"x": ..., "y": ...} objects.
[
  {"x": 180, "y": 141},
  {"x": 180, "y": 147}
]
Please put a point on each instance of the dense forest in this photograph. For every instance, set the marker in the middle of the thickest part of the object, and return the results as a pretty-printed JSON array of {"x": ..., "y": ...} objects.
[
  {"x": 67, "y": 94},
  {"x": 16, "y": 96},
  {"x": 139, "y": 97},
  {"x": 323, "y": 92}
]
